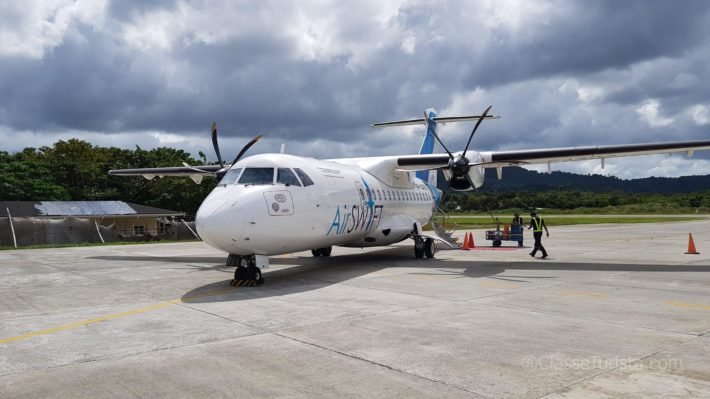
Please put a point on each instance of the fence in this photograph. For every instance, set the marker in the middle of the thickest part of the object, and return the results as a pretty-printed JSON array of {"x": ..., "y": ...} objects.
[{"x": 38, "y": 231}]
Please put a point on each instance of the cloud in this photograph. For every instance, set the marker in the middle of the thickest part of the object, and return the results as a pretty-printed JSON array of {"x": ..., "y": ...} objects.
[{"x": 315, "y": 74}]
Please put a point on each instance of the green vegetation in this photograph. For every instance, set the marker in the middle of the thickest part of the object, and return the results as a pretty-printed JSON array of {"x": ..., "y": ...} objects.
[
  {"x": 78, "y": 171},
  {"x": 578, "y": 202}
]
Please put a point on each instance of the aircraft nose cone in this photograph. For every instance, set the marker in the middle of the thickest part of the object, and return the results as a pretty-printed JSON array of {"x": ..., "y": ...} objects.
[{"x": 220, "y": 223}]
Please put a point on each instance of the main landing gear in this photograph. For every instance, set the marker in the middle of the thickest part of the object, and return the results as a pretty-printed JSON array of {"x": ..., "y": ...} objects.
[
  {"x": 322, "y": 251},
  {"x": 424, "y": 246},
  {"x": 246, "y": 268}
]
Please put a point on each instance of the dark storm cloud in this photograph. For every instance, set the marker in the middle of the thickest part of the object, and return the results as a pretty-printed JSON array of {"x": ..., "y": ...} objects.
[
  {"x": 589, "y": 37},
  {"x": 317, "y": 74}
]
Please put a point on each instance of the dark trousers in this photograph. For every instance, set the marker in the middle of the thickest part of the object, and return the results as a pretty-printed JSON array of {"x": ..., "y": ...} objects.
[{"x": 538, "y": 244}]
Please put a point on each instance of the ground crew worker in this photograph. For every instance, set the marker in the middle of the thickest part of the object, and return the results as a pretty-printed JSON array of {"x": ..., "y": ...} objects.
[
  {"x": 537, "y": 223},
  {"x": 517, "y": 226}
]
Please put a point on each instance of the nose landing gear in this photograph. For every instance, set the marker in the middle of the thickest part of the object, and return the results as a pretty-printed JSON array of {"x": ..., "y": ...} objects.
[
  {"x": 322, "y": 251},
  {"x": 246, "y": 271}
]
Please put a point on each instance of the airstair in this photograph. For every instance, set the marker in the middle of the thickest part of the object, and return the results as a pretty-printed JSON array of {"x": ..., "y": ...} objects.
[{"x": 445, "y": 226}]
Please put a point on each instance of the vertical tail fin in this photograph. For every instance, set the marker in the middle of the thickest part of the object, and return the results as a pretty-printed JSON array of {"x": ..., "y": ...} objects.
[{"x": 428, "y": 145}]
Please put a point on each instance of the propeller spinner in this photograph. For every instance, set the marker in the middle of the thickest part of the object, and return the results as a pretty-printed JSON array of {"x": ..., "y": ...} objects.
[{"x": 459, "y": 165}]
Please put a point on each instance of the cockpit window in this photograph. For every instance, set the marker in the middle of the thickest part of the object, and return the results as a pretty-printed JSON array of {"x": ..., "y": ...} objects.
[
  {"x": 230, "y": 177},
  {"x": 257, "y": 176},
  {"x": 304, "y": 177},
  {"x": 285, "y": 176}
]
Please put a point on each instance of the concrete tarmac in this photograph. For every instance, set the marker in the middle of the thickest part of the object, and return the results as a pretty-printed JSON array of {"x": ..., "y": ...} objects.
[{"x": 616, "y": 311}]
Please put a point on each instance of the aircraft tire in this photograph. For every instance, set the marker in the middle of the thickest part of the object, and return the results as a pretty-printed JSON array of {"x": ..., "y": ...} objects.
[
  {"x": 241, "y": 273},
  {"x": 429, "y": 248},
  {"x": 418, "y": 252},
  {"x": 254, "y": 273},
  {"x": 322, "y": 251}
]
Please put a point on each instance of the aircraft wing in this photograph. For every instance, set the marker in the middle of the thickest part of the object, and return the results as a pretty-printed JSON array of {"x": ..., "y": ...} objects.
[
  {"x": 495, "y": 159},
  {"x": 196, "y": 173}
]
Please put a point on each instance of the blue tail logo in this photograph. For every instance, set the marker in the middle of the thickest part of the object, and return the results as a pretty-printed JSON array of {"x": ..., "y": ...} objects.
[{"x": 428, "y": 143}]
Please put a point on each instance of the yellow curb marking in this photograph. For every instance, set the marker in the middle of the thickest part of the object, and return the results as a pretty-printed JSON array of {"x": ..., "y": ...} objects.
[
  {"x": 590, "y": 294},
  {"x": 496, "y": 284},
  {"x": 697, "y": 306},
  {"x": 78, "y": 324}
]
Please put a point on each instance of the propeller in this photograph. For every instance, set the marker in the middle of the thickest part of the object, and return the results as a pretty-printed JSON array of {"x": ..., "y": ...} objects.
[
  {"x": 458, "y": 164},
  {"x": 220, "y": 173}
]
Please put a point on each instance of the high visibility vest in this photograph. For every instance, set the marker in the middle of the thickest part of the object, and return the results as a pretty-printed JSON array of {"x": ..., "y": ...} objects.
[{"x": 537, "y": 224}]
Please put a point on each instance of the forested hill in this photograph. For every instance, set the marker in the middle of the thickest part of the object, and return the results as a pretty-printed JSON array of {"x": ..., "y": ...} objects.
[{"x": 519, "y": 179}]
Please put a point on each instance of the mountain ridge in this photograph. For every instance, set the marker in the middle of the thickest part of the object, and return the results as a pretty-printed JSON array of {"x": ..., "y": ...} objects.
[{"x": 520, "y": 179}]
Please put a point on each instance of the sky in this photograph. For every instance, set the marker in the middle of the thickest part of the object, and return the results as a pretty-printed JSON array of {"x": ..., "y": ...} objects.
[{"x": 315, "y": 74}]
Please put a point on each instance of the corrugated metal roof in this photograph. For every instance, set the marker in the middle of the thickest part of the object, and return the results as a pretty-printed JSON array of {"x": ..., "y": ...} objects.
[
  {"x": 79, "y": 209},
  {"x": 84, "y": 208}
]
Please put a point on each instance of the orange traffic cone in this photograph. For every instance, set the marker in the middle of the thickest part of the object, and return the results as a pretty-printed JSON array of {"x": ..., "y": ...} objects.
[
  {"x": 691, "y": 245},
  {"x": 472, "y": 244},
  {"x": 466, "y": 243}
]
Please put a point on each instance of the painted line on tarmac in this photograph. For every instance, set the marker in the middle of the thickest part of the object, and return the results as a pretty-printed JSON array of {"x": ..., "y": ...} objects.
[
  {"x": 496, "y": 284},
  {"x": 114, "y": 316},
  {"x": 588, "y": 294},
  {"x": 696, "y": 306}
]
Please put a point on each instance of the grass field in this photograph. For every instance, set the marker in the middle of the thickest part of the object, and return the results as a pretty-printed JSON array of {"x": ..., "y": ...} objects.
[{"x": 482, "y": 222}]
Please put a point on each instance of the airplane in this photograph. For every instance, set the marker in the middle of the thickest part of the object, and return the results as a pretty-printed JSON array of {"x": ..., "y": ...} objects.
[{"x": 272, "y": 204}]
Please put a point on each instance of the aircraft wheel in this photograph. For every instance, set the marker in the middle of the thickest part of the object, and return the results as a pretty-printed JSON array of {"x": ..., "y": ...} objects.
[
  {"x": 496, "y": 243},
  {"x": 429, "y": 248},
  {"x": 418, "y": 251},
  {"x": 322, "y": 251},
  {"x": 254, "y": 273},
  {"x": 418, "y": 247},
  {"x": 241, "y": 273}
]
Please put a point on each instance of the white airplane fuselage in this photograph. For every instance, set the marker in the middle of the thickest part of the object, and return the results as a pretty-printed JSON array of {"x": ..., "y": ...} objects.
[{"x": 351, "y": 202}]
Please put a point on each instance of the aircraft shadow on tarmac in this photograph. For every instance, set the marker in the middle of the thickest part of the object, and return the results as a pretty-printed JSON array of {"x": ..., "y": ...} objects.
[{"x": 309, "y": 273}]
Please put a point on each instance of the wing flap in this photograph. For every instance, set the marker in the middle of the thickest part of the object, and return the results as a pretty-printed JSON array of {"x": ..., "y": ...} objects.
[{"x": 493, "y": 159}]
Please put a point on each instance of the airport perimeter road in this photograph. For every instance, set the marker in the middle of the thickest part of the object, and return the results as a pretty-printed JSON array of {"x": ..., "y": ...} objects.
[{"x": 617, "y": 311}]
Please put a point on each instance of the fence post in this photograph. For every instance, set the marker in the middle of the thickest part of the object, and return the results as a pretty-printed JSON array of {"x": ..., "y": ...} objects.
[
  {"x": 192, "y": 231},
  {"x": 99, "y": 232},
  {"x": 12, "y": 227}
]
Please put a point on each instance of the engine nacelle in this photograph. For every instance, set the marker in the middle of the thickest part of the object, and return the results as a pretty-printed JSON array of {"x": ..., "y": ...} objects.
[{"x": 476, "y": 174}]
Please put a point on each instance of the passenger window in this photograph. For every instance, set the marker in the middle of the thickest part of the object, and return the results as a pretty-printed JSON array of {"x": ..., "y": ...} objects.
[
  {"x": 304, "y": 177},
  {"x": 230, "y": 177},
  {"x": 285, "y": 176},
  {"x": 257, "y": 176}
]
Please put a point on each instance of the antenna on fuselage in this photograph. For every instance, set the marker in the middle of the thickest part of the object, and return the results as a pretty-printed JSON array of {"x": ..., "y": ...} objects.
[{"x": 283, "y": 148}]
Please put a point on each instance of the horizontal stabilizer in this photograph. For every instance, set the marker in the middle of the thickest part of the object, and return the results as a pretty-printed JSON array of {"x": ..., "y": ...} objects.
[{"x": 438, "y": 119}]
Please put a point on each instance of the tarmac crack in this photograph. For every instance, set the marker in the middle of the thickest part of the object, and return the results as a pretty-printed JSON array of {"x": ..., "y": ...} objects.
[
  {"x": 621, "y": 366},
  {"x": 562, "y": 315},
  {"x": 378, "y": 364}
]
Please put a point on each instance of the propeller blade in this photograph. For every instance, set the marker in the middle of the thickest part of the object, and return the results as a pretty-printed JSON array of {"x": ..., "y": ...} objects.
[
  {"x": 216, "y": 145},
  {"x": 478, "y": 123},
  {"x": 436, "y": 136},
  {"x": 246, "y": 147}
]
